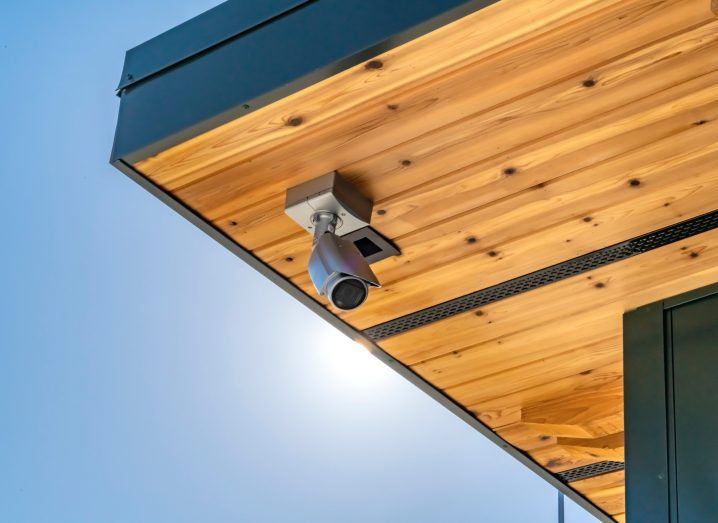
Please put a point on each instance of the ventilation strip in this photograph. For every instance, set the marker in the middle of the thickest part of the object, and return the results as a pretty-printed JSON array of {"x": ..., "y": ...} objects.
[
  {"x": 589, "y": 471},
  {"x": 552, "y": 274}
]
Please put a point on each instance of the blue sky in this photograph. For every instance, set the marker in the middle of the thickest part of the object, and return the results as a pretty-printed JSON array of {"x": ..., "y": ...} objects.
[{"x": 147, "y": 375}]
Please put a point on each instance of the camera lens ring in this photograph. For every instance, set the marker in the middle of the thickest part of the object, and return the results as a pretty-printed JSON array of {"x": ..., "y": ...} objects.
[{"x": 347, "y": 292}]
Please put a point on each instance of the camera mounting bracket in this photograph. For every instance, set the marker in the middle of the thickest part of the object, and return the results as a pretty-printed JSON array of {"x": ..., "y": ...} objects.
[{"x": 332, "y": 194}]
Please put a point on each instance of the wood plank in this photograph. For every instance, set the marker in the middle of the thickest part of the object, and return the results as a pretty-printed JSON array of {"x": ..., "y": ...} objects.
[
  {"x": 524, "y": 68},
  {"x": 651, "y": 276},
  {"x": 492, "y": 411},
  {"x": 589, "y": 413},
  {"x": 589, "y": 408},
  {"x": 463, "y": 165},
  {"x": 612, "y": 441},
  {"x": 438, "y": 53},
  {"x": 559, "y": 458},
  {"x": 532, "y": 436},
  {"x": 540, "y": 345},
  {"x": 681, "y": 191},
  {"x": 593, "y": 209},
  {"x": 598, "y": 483},
  {"x": 526, "y": 437},
  {"x": 471, "y": 391},
  {"x": 556, "y": 453},
  {"x": 612, "y": 107},
  {"x": 606, "y": 491},
  {"x": 475, "y": 190},
  {"x": 454, "y": 148},
  {"x": 556, "y": 367}
]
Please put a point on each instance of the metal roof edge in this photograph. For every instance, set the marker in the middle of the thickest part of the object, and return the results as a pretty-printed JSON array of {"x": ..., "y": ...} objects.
[{"x": 206, "y": 30}]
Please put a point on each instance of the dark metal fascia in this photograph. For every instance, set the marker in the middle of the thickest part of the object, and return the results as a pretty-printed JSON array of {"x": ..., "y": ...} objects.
[
  {"x": 458, "y": 410},
  {"x": 213, "y": 27},
  {"x": 287, "y": 53}
]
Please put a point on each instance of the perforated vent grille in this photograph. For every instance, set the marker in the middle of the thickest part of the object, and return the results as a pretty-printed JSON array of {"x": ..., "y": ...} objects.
[
  {"x": 552, "y": 274},
  {"x": 589, "y": 471}
]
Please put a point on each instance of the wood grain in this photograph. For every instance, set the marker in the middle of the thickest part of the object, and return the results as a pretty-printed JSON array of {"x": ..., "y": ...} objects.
[
  {"x": 622, "y": 286},
  {"x": 606, "y": 491},
  {"x": 500, "y": 411},
  {"x": 464, "y": 166},
  {"x": 522, "y": 70},
  {"x": 438, "y": 53},
  {"x": 593, "y": 209}
]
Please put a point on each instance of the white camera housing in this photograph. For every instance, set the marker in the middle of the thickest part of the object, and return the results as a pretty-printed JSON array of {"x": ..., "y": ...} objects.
[
  {"x": 344, "y": 245},
  {"x": 337, "y": 268}
]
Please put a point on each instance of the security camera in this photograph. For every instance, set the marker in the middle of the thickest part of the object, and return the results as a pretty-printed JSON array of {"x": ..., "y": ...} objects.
[
  {"x": 337, "y": 267},
  {"x": 344, "y": 244}
]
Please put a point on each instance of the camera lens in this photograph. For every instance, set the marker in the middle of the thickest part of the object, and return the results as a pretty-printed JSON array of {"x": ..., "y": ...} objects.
[{"x": 348, "y": 293}]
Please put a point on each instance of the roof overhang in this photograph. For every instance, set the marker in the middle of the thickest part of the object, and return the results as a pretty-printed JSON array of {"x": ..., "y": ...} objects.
[{"x": 570, "y": 165}]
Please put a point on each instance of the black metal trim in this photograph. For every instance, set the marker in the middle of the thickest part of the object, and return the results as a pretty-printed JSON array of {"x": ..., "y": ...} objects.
[
  {"x": 213, "y": 27},
  {"x": 590, "y": 471},
  {"x": 545, "y": 276},
  {"x": 457, "y": 409}
]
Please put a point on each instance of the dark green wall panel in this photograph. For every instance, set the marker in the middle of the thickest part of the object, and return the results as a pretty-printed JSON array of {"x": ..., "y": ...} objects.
[{"x": 671, "y": 395}]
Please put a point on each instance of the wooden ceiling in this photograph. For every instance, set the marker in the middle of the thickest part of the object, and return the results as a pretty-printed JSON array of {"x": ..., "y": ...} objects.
[{"x": 521, "y": 136}]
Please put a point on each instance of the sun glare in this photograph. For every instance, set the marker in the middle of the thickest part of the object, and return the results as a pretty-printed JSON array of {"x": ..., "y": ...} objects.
[{"x": 349, "y": 363}]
